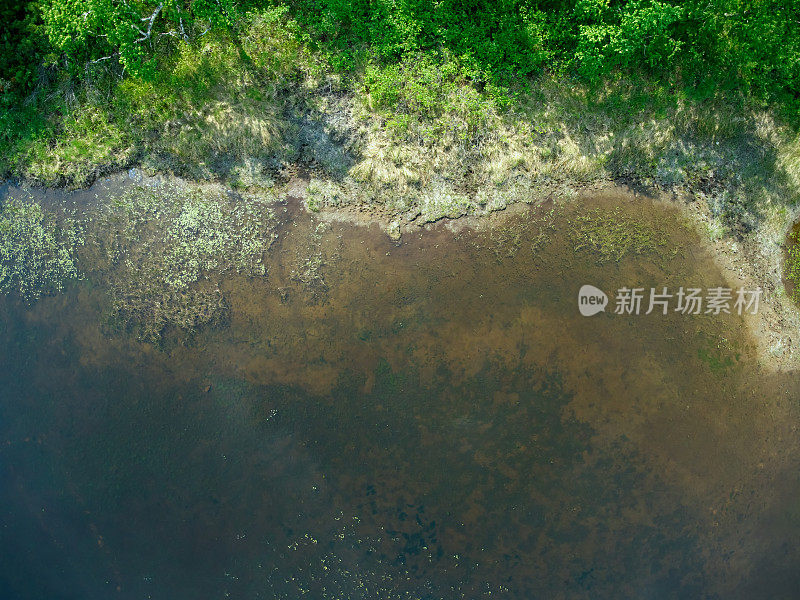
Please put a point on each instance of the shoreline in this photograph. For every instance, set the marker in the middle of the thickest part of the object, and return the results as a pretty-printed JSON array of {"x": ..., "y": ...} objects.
[{"x": 754, "y": 261}]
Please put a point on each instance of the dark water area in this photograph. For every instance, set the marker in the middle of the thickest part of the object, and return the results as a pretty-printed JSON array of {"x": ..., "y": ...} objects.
[{"x": 433, "y": 419}]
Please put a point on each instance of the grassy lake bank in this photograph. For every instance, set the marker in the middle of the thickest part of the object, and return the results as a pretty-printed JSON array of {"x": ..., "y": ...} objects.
[{"x": 208, "y": 229}]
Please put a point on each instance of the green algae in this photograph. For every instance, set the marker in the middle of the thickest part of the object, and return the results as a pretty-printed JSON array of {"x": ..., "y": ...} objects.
[
  {"x": 792, "y": 265},
  {"x": 721, "y": 354},
  {"x": 36, "y": 250},
  {"x": 162, "y": 255},
  {"x": 613, "y": 235}
]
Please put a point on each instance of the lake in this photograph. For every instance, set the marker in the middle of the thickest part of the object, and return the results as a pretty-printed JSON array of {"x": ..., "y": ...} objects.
[{"x": 431, "y": 418}]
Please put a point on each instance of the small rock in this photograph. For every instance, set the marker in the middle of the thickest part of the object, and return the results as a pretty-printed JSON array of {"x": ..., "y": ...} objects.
[{"x": 394, "y": 230}]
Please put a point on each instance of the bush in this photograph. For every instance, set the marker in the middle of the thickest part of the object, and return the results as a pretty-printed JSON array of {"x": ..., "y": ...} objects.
[
  {"x": 425, "y": 95},
  {"x": 640, "y": 35}
]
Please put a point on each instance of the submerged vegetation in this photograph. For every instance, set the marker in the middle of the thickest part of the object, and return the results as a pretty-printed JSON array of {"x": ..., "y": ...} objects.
[
  {"x": 719, "y": 353},
  {"x": 155, "y": 250},
  {"x": 160, "y": 253},
  {"x": 611, "y": 235},
  {"x": 792, "y": 267},
  {"x": 36, "y": 250}
]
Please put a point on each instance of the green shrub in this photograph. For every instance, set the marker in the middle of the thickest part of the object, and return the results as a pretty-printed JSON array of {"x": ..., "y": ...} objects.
[
  {"x": 639, "y": 35},
  {"x": 22, "y": 46},
  {"x": 422, "y": 90},
  {"x": 215, "y": 83}
]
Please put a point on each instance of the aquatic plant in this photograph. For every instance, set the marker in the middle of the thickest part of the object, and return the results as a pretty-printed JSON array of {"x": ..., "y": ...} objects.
[
  {"x": 36, "y": 257},
  {"x": 612, "y": 235},
  {"x": 718, "y": 352},
  {"x": 309, "y": 270},
  {"x": 164, "y": 254}
]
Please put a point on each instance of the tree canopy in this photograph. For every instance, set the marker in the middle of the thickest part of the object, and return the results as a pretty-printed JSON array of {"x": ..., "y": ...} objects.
[{"x": 749, "y": 44}]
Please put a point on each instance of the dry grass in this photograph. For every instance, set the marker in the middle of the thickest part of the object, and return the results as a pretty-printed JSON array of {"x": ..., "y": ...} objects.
[
  {"x": 789, "y": 159},
  {"x": 223, "y": 131},
  {"x": 730, "y": 155}
]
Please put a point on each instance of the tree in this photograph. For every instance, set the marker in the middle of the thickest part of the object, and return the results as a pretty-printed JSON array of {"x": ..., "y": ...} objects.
[{"x": 127, "y": 30}]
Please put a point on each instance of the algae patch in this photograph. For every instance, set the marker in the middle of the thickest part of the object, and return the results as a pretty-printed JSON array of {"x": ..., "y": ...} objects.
[
  {"x": 718, "y": 352},
  {"x": 612, "y": 235},
  {"x": 792, "y": 264},
  {"x": 162, "y": 254},
  {"x": 36, "y": 250}
]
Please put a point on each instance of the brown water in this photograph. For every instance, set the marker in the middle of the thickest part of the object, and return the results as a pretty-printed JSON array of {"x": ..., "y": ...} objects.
[{"x": 433, "y": 419}]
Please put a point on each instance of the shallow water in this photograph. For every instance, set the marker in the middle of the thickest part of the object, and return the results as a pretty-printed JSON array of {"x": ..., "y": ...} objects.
[{"x": 432, "y": 419}]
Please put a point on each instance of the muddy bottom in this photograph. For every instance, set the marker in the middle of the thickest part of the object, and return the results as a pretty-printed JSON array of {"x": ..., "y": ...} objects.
[{"x": 433, "y": 419}]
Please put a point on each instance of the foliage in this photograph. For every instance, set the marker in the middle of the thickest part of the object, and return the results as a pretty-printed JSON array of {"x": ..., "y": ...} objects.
[
  {"x": 421, "y": 89},
  {"x": 96, "y": 30},
  {"x": 638, "y": 35},
  {"x": 21, "y": 46},
  {"x": 403, "y": 91},
  {"x": 752, "y": 44}
]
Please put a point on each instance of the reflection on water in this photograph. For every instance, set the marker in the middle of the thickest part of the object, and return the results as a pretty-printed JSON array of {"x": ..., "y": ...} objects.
[{"x": 428, "y": 420}]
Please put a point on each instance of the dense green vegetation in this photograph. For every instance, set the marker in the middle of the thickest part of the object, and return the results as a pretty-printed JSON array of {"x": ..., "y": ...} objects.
[
  {"x": 753, "y": 45},
  {"x": 450, "y": 107}
]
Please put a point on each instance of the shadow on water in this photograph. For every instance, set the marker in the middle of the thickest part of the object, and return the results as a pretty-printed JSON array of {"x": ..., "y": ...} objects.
[{"x": 428, "y": 420}]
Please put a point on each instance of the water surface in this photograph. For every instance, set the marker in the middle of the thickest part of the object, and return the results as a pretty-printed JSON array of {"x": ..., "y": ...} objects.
[{"x": 432, "y": 419}]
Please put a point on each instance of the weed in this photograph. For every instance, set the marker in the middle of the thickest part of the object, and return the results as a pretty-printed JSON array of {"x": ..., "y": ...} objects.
[{"x": 612, "y": 235}]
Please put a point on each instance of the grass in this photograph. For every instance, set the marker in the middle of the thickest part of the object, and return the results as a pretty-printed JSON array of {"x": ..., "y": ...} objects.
[
  {"x": 724, "y": 151},
  {"x": 424, "y": 138}
]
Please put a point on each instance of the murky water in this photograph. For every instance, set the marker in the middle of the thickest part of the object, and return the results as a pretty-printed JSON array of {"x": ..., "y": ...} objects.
[{"x": 433, "y": 419}]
